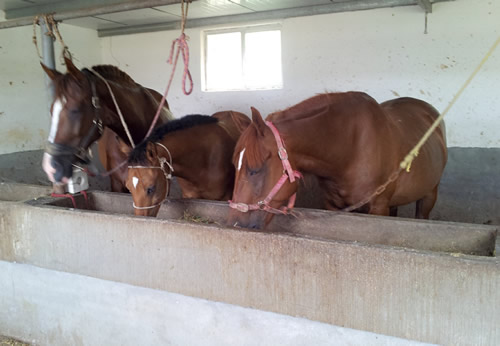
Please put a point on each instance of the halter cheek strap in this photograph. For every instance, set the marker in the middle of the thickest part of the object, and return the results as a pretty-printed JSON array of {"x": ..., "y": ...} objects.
[
  {"x": 288, "y": 174},
  {"x": 168, "y": 175},
  {"x": 81, "y": 152}
]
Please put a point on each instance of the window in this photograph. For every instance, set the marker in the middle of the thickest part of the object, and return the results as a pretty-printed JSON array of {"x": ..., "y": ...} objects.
[{"x": 242, "y": 59}]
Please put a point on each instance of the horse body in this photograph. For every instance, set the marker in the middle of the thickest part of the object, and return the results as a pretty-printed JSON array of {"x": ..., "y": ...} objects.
[
  {"x": 113, "y": 152},
  {"x": 352, "y": 144},
  {"x": 82, "y": 104},
  {"x": 199, "y": 148}
]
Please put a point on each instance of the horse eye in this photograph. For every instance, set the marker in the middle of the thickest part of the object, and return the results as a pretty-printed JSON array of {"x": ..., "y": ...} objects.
[
  {"x": 150, "y": 190},
  {"x": 253, "y": 171},
  {"x": 74, "y": 112}
]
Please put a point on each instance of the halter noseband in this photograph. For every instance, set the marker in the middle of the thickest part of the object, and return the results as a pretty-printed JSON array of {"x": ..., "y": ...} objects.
[
  {"x": 168, "y": 176},
  {"x": 80, "y": 152},
  {"x": 288, "y": 174}
]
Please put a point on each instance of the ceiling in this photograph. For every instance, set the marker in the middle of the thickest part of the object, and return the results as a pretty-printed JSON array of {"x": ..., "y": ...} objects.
[{"x": 115, "y": 17}]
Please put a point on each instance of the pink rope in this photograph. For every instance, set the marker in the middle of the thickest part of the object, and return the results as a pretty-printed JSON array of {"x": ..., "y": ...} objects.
[
  {"x": 70, "y": 196},
  {"x": 183, "y": 47}
]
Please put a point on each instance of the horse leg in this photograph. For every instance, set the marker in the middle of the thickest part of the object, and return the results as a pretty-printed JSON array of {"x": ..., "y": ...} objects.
[{"x": 425, "y": 204}]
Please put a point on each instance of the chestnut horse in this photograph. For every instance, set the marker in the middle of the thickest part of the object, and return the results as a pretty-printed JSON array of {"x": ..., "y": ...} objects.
[
  {"x": 350, "y": 143},
  {"x": 83, "y": 107},
  {"x": 197, "y": 149}
]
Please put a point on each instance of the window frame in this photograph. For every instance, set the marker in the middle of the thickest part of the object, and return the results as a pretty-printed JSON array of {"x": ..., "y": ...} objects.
[{"x": 242, "y": 30}]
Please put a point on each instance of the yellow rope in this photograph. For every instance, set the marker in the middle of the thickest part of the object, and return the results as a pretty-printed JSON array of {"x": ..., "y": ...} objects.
[
  {"x": 406, "y": 163},
  {"x": 35, "y": 41},
  {"x": 184, "y": 14},
  {"x": 52, "y": 31}
]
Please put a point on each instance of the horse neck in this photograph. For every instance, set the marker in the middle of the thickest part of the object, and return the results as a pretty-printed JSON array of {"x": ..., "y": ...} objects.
[
  {"x": 189, "y": 149},
  {"x": 136, "y": 107},
  {"x": 309, "y": 151}
]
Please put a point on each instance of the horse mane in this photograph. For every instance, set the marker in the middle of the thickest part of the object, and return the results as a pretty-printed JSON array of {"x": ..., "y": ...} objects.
[
  {"x": 114, "y": 74},
  {"x": 64, "y": 83},
  {"x": 138, "y": 154},
  {"x": 254, "y": 154},
  {"x": 309, "y": 107}
]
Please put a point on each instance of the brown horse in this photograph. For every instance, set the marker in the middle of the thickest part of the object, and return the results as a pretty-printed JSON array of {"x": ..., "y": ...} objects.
[
  {"x": 83, "y": 107},
  {"x": 197, "y": 149},
  {"x": 351, "y": 143},
  {"x": 112, "y": 153}
]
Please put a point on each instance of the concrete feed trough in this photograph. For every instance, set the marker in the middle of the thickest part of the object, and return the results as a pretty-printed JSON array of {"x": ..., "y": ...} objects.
[
  {"x": 16, "y": 192},
  {"x": 421, "y": 280}
]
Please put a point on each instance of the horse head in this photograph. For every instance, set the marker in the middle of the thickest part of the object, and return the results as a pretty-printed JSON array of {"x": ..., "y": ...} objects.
[
  {"x": 76, "y": 122},
  {"x": 149, "y": 174},
  {"x": 265, "y": 181}
]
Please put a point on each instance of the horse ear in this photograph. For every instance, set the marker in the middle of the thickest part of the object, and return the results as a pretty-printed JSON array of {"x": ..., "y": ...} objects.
[
  {"x": 258, "y": 122},
  {"x": 151, "y": 151},
  {"x": 52, "y": 73},
  {"x": 71, "y": 68}
]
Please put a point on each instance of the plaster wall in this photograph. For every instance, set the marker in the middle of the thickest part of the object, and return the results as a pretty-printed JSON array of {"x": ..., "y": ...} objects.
[
  {"x": 382, "y": 52},
  {"x": 24, "y": 107}
]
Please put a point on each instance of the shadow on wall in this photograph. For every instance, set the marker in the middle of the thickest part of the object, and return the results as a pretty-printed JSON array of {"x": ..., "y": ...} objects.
[{"x": 469, "y": 191}]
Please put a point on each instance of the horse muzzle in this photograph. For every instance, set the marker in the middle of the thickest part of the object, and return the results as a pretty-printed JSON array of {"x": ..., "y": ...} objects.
[{"x": 255, "y": 219}]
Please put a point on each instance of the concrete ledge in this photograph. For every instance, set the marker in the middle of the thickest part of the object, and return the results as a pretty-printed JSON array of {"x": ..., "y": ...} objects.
[
  {"x": 47, "y": 307},
  {"x": 16, "y": 192},
  {"x": 438, "y": 297},
  {"x": 448, "y": 237}
]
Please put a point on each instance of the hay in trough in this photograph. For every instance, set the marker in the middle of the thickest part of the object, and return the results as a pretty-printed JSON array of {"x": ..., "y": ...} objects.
[
  {"x": 187, "y": 216},
  {"x": 6, "y": 341}
]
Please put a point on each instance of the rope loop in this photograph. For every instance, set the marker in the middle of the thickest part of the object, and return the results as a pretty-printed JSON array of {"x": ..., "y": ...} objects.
[
  {"x": 53, "y": 32},
  {"x": 182, "y": 46}
]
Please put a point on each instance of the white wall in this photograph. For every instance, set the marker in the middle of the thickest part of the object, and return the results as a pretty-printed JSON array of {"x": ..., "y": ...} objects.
[
  {"x": 382, "y": 52},
  {"x": 24, "y": 115}
]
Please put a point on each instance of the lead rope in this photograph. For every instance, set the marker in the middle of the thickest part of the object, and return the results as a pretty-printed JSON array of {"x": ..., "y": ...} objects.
[
  {"x": 183, "y": 47},
  {"x": 122, "y": 119},
  {"x": 407, "y": 161}
]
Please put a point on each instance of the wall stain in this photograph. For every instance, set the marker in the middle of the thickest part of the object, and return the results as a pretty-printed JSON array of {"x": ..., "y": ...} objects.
[
  {"x": 42, "y": 133},
  {"x": 395, "y": 93},
  {"x": 443, "y": 67},
  {"x": 17, "y": 136}
]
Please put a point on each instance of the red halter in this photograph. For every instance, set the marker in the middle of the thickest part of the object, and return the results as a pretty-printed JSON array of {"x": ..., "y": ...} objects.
[{"x": 288, "y": 173}]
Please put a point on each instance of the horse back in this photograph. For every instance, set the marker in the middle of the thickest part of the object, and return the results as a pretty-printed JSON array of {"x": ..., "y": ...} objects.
[{"x": 411, "y": 118}]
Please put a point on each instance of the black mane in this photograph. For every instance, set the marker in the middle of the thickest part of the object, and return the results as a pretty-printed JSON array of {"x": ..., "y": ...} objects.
[{"x": 138, "y": 155}]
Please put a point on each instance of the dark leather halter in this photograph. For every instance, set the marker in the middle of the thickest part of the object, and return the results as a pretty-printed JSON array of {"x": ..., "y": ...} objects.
[{"x": 81, "y": 151}]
